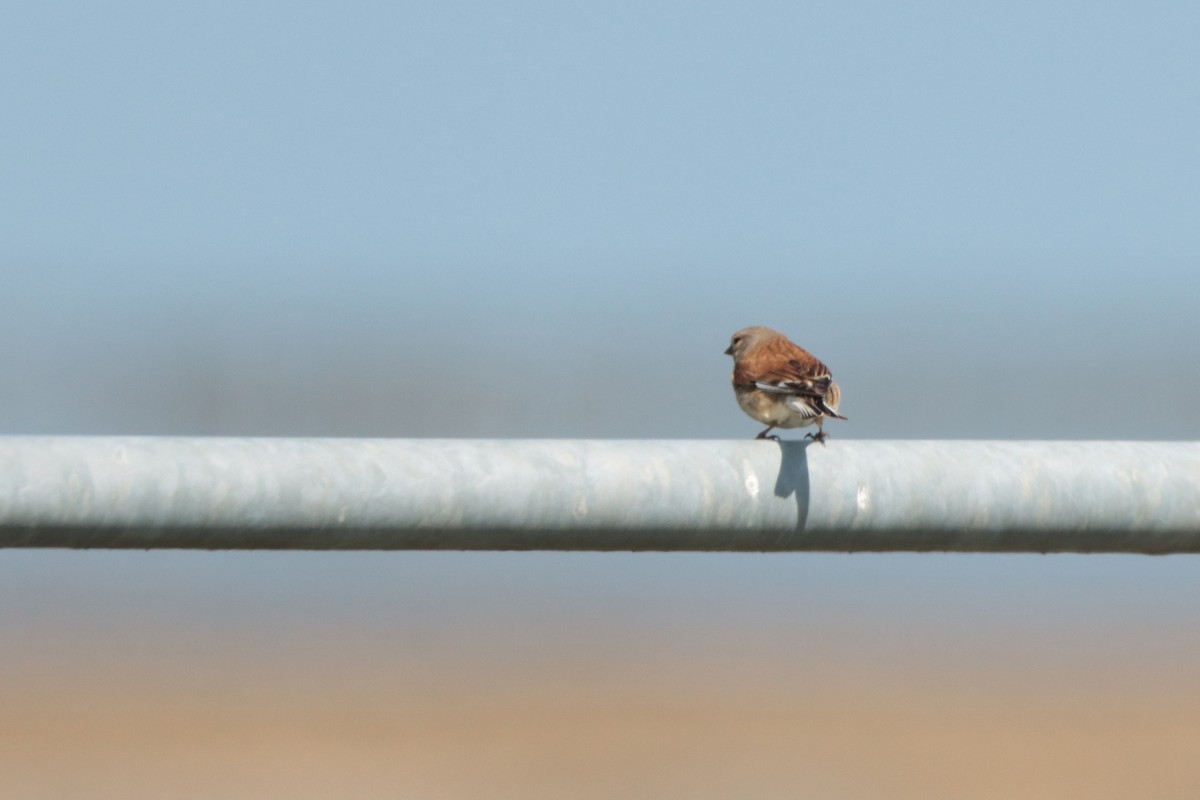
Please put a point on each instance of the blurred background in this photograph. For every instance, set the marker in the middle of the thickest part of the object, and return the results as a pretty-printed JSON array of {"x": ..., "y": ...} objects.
[{"x": 466, "y": 219}]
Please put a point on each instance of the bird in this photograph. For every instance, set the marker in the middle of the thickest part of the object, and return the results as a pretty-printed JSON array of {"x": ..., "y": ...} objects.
[{"x": 781, "y": 384}]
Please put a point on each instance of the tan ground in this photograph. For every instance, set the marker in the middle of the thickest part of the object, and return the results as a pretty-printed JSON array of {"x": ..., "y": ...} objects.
[{"x": 366, "y": 720}]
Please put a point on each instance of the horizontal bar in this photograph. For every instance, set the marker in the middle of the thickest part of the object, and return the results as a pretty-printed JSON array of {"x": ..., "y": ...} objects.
[{"x": 850, "y": 495}]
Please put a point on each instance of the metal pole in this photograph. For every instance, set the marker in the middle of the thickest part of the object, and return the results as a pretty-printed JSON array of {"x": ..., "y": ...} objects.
[{"x": 212, "y": 493}]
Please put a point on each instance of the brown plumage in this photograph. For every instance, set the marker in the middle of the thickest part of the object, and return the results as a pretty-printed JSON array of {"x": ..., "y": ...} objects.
[{"x": 781, "y": 384}]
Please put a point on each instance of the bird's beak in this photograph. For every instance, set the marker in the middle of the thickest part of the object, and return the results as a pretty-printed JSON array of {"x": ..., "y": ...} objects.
[{"x": 729, "y": 350}]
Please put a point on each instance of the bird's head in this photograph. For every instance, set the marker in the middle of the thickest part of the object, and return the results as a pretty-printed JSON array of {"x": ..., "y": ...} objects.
[{"x": 747, "y": 338}]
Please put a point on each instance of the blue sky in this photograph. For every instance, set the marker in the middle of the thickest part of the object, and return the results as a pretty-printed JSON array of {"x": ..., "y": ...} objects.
[{"x": 952, "y": 206}]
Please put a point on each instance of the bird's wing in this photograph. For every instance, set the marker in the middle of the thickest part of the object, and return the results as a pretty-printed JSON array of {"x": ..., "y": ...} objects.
[
  {"x": 802, "y": 374},
  {"x": 814, "y": 405},
  {"x": 807, "y": 387}
]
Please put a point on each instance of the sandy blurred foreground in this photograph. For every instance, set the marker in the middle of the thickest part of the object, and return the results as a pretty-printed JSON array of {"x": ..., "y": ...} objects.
[
  {"x": 617, "y": 742},
  {"x": 194, "y": 714}
]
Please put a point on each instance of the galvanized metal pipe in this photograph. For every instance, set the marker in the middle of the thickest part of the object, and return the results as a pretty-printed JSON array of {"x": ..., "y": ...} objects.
[{"x": 142, "y": 492}]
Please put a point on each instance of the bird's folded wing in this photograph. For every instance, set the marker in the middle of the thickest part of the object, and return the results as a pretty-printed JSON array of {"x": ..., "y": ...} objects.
[
  {"x": 809, "y": 388},
  {"x": 807, "y": 377}
]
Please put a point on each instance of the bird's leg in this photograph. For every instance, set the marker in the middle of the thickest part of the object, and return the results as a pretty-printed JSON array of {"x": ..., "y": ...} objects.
[
  {"x": 763, "y": 435},
  {"x": 819, "y": 436}
]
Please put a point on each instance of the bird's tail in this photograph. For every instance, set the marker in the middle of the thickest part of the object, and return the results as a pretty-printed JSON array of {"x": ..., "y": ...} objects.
[{"x": 829, "y": 403}]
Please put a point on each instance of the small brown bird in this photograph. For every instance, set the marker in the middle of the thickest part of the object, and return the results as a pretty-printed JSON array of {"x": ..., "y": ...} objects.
[{"x": 779, "y": 383}]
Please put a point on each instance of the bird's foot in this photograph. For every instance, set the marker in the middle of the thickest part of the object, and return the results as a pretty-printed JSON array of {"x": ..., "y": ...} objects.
[
  {"x": 819, "y": 436},
  {"x": 764, "y": 435}
]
